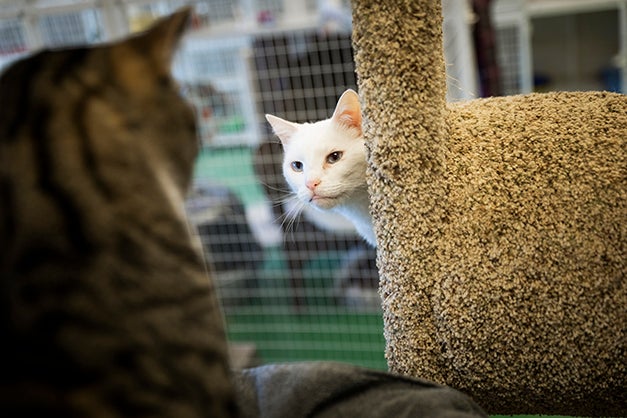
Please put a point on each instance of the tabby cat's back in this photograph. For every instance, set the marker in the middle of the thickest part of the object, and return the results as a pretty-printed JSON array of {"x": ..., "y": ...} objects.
[{"x": 106, "y": 309}]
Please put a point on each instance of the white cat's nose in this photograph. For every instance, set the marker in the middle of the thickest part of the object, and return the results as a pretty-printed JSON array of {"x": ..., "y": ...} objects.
[{"x": 312, "y": 184}]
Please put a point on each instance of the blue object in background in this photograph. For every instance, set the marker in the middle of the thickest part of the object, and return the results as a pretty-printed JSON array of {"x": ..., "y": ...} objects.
[{"x": 611, "y": 77}]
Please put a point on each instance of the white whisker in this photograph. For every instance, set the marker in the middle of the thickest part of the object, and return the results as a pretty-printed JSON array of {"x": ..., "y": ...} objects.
[
  {"x": 293, "y": 209},
  {"x": 284, "y": 189}
]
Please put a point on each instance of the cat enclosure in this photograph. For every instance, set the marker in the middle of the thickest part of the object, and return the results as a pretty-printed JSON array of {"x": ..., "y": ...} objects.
[{"x": 302, "y": 288}]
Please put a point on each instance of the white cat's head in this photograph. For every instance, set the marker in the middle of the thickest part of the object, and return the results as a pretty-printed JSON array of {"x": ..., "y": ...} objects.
[{"x": 325, "y": 161}]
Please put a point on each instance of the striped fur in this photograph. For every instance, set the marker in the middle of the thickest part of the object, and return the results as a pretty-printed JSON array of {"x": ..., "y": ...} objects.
[{"x": 106, "y": 309}]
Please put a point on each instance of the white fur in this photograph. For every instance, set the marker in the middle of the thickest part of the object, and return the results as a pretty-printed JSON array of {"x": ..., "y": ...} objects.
[{"x": 341, "y": 185}]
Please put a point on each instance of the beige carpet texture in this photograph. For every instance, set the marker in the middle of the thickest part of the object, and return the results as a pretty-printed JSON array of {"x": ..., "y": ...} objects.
[{"x": 501, "y": 226}]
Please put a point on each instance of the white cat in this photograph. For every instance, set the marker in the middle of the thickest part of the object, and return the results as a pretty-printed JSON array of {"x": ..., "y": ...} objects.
[{"x": 325, "y": 163}]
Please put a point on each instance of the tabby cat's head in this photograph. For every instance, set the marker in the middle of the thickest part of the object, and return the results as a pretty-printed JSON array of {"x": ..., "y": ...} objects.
[{"x": 106, "y": 123}]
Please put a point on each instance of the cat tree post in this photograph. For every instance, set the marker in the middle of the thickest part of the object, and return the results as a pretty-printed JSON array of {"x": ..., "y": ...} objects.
[{"x": 400, "y": 147}]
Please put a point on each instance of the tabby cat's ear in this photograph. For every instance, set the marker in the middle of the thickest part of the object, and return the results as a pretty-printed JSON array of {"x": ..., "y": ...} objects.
[
  {"x": 348, "y": 111},
  {"x": 162, "y": 38},
  {"x": 282, "y": 128}
]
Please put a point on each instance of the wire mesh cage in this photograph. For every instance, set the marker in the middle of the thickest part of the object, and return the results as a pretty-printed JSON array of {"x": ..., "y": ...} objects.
[
  {"x": 508, "y": 50},
  {"x": 71, "y": 28},
  {"x": 306, "y": 288},
  {"x": 13, "y": 44},
  {"x": 512, "y": 31}
]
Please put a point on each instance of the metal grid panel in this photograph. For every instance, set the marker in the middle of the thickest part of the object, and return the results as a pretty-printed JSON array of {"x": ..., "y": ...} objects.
[
  {"x": 216, "y": 75},
  {"x": 303, "y": 288},
  {"x": 508, "y": 56},
  {"x": 206, "y": 12},
  {"x": 12, "y": 37},
  {"x": 300, "y": 75},
  {"x": 12, "y": 41},
  {"x": 71, "y": 28},
  {"x": 513, "y": 46},
  {"x": 67, "y": 24},
  {"x": 274, "y": 7}
]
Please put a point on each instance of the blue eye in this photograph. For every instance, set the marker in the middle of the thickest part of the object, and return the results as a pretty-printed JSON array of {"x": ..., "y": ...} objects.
[
  {"x": 297, "y": 166},
  {"x": 334, "y": 157}
]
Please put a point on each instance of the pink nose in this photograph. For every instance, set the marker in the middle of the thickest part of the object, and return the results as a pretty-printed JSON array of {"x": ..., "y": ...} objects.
[{"x": 312, "y": 184}]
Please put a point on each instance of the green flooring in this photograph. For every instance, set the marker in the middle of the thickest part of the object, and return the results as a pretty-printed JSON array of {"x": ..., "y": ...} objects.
[{"x": 284, "y": 335}]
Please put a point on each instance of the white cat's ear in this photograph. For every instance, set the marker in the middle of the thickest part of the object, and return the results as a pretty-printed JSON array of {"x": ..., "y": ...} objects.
[
  {"x": 348, "y": 110},
  {"x": 282, "y": 128}
]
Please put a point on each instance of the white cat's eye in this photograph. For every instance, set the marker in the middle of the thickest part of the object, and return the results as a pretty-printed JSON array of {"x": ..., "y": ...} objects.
[
  {"x": 334, "y": 157},
  {"x": 297, "y": 166}
]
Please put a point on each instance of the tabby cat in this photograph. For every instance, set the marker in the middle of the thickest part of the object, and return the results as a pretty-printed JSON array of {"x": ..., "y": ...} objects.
[{"x": 106, "y": 307}]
